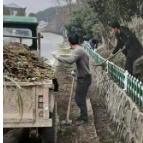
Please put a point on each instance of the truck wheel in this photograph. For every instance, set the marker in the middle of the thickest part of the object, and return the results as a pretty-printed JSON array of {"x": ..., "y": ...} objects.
[{"x": 49, "y": 134}]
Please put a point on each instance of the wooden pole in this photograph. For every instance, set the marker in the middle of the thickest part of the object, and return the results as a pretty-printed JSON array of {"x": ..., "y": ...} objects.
[{"x": 69, "y": 104}]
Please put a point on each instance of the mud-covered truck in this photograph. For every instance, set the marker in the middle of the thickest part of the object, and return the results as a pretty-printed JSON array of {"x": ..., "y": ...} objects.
[{"x": 28, "y": 105}]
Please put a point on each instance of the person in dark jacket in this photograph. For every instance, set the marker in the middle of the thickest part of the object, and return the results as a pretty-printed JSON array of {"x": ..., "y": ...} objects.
[
  {"x": 94, "y": 42},
  {"x": 127, "y": 41}
]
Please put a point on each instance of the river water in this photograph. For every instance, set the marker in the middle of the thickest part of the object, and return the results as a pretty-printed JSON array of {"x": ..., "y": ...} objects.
[{"x": 49, "y": 44}]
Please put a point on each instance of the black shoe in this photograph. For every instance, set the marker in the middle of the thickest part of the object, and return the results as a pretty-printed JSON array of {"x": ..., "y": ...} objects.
[
  {"x": 81, "y": 122},
  {"x": 80, "y": 118}
]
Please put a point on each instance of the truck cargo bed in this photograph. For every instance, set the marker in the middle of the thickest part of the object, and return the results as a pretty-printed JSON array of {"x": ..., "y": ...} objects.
[{"x": 36, "y": 100}]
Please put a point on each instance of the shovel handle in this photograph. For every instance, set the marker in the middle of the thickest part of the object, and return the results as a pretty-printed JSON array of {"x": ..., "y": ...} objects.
[
  {"x": 69, "y": 105},
  {"x": 109, "y": 58}
]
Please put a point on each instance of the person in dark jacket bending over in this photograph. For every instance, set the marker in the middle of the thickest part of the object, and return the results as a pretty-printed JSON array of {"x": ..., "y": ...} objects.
[
  {"x": 127, "y": 41},
  {"x": 82, "y": 71},
  {"x": 94, "y": 42}
]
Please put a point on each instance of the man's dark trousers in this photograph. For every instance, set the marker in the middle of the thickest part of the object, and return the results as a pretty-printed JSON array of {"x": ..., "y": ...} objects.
[
  {"x": 129, "y": 65},
  {"x": 82, "y": 86},
  {"x": 130, "y": 59}
]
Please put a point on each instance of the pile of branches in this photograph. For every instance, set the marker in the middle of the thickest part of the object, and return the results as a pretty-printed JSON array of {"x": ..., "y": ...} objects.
[{"x": 23, "y": 65}]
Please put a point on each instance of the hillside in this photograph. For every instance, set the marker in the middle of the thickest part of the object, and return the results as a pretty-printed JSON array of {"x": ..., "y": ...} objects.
[
  {"x": 46, "y": 14},
  {"x": 56, "y": 19},
  {"x": 58, "y": 22}
]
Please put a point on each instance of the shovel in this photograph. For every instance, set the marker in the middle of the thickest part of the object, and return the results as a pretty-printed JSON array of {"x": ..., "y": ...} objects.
[
  {"x": 68, "y": 121},
  {"x": 101, "y": 64}
]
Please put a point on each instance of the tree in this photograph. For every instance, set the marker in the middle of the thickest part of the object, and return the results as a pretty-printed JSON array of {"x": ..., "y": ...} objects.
[
  {"x": 83, "y": 22},
  {"x": 32, "y": 15},
  {"x": 108, "y": 11},
  {"x": 121, "y": 10},
  {"x": 60, "y": 3}
]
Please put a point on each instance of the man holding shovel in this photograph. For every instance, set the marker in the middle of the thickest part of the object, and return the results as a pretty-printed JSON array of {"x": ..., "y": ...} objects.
[
  {"x": 127, "y": 41},
  {"x": 82, "y": 71}
]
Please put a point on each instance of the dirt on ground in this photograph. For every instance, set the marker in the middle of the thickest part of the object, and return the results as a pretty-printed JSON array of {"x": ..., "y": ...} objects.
[{"x": 103, "y": 124}]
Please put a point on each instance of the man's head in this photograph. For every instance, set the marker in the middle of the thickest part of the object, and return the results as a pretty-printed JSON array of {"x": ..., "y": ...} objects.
[
  {"x": 73, "y": 40},
  {"x": 98, "y": 39},
  {"x": 115, "y": 27}
]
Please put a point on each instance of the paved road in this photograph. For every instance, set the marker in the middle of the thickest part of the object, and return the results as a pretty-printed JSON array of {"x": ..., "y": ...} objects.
[{"x": 50, "y": 43}]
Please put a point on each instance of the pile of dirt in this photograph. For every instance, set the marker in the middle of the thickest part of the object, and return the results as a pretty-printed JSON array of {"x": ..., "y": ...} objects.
[
  {"x": 22, "y": 64},
  {"x": 138, "y": 69}
]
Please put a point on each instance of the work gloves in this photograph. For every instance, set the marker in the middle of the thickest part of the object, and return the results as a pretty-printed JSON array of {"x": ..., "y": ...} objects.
[
  {"x": 54, "y": 55},
  {"x": 73, "y": 73},
  {"x": 112, "y": 55}
]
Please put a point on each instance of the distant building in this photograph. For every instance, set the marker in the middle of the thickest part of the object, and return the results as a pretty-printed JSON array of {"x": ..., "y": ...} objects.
[{"x": 13, "y": 9}]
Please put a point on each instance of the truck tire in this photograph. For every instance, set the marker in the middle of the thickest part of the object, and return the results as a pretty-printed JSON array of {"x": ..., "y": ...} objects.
[{"x": 49, "y": 134}]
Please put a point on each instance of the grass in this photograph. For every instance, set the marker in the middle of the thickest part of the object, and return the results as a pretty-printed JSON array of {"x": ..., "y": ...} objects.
[
  {"x": 68, "y": 131},
  {"x": 51, "y": 75},
  {"x": 65, "y": 51},
  {"x": 62, "y": 46},
  {"x": 62, "y": 49}
]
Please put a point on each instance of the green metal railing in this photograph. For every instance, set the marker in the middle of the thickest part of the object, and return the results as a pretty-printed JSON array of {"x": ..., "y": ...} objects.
[
  {"x": 135, "y": 90},
  {"x": 131, "y": 85},
  {"x": 116, "y": 73}
]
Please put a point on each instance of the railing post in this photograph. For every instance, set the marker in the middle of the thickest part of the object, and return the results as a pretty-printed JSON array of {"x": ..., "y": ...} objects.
[
  {"x": 107, "y": 66},
  {"x": 20, "y": 40},
  {"x": 136, "y": 90},
  {"x": 125, "y": 80}
]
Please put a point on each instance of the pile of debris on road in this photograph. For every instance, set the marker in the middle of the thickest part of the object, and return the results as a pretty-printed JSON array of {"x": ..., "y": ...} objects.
[{"x": 23, "y": 65}]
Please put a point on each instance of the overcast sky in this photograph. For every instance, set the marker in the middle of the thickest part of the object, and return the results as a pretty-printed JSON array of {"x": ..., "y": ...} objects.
[{"x": 32, "y": 5}]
